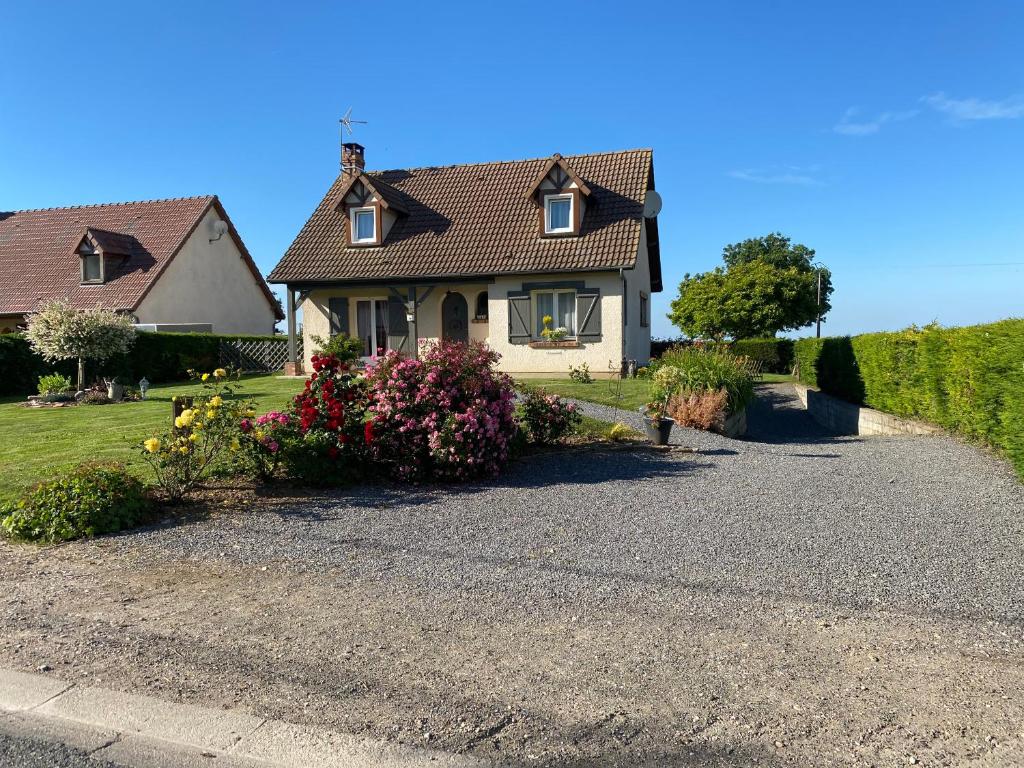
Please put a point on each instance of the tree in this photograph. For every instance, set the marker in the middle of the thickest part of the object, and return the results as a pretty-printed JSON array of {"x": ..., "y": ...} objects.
[
  {"x": 58, "y": 332},
  {"x": 767, "y": 285}
]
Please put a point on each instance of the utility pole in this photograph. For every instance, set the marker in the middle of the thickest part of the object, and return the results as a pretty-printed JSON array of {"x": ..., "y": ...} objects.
[{"x": 818, "y": 335}]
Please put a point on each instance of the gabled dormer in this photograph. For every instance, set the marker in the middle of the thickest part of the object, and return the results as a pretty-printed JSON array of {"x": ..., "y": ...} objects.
[
  {"x": 101, "y": 254},
  {"x": 371, "y": 207},
  {"x": 561, "y": 199}
]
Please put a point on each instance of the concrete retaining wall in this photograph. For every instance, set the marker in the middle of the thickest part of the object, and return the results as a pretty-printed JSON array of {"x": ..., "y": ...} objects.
[{"x": 846, "y": 418}]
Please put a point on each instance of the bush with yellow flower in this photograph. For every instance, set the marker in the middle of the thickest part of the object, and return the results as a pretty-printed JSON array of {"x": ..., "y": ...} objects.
[{"x": 204, "y": 435}]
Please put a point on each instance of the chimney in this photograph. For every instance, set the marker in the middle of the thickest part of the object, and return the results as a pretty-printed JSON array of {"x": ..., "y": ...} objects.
[{"x": 353, "y": 158}]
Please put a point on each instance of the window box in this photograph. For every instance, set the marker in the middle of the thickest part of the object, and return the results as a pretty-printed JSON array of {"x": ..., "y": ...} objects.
[{"x": 562, "y": 344}]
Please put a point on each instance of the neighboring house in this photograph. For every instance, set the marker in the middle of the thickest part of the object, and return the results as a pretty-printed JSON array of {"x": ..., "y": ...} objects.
[
  {"x": 484, "y": 252},
  {"x": 173, "y": 264}
]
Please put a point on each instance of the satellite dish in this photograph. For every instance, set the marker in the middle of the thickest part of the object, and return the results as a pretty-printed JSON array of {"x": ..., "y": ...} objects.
[
  {"x": 220, "y": 227},
  {"x": 652, "y": 204}
]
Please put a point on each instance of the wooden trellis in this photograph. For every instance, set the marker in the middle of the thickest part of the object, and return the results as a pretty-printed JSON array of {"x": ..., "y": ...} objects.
[{"x": 256, "y": 354}]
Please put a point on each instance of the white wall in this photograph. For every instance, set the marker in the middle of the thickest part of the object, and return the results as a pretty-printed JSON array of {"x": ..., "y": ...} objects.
[
  {"x": 515, "y": 358},
  {"x": 209, "y": 283},
  {"x": 637, "y": 337}
]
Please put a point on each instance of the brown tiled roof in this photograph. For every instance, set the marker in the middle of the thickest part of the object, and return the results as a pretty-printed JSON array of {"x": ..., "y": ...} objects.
[
  {"x": 38, "y": 261},
  {"x": 469, "y": 220}
]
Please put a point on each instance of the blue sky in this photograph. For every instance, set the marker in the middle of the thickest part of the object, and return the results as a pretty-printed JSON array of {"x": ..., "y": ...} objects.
[{"x": 888, "y": 136}]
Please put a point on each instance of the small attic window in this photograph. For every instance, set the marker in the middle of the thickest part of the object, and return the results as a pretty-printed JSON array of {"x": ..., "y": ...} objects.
[
  {"x": 364, "y": 225},
  {"x": 92, "y": 264},
  {"x": 557, "y": 214}
]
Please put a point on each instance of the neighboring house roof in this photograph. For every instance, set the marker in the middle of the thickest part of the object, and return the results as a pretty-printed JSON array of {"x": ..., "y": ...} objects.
[
  {"x": 477, "y": 220},
  {"x": 38, "y": 261}
]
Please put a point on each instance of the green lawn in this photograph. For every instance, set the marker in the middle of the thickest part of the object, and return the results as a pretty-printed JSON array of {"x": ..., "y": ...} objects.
[
  {"x": 776, "y": 378},
  {"x": 36, "y": 441},
  {"x": 628, "y": 394}
]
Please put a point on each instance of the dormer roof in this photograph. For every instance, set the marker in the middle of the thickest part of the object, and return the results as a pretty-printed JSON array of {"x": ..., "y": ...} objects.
[{"x": 564, "y": 174}]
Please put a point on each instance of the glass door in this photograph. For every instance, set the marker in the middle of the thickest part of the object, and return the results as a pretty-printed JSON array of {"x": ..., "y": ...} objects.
[{"x": 372, "y": 326}]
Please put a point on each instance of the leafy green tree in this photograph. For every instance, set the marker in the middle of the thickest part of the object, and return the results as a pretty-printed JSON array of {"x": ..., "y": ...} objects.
[
  {"x": 59, "y": 332},
  {"x": 768, "y": 285}
]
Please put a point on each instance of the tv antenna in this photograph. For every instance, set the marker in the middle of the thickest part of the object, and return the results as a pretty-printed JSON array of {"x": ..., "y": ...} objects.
[{"x": 347, "y": 122}]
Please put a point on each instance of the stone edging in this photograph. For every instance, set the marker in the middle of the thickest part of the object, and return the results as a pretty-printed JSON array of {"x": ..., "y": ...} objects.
[{"x": 846, "y": 418}]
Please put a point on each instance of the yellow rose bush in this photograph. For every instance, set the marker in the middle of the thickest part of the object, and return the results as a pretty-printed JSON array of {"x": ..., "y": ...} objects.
[{"x": 204, "y": 436}]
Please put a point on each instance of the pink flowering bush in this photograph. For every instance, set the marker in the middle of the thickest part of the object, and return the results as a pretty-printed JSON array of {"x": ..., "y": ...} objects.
[
  {"x": 548, "y": 418},
  {"x": 449, "y": 415},
  {"x": 263, "y": 441}
]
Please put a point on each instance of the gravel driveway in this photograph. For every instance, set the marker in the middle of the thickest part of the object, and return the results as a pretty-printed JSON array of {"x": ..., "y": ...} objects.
[{"x": 781, "y": 600}]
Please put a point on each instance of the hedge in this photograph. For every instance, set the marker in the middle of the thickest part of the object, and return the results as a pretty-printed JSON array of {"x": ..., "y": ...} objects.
[
  {"x": 160, "y": 357},
  {"x": 775, "y": 355},
  {"x": 968, "y": 380}
]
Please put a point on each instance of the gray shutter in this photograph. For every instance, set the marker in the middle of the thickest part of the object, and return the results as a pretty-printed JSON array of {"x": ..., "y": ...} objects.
[
  {"x": 398, "y": 326},
  {"x": 519, "y": 319},
  {"x": 338, "y": 308},
  {"x": 588, "y": 314}
]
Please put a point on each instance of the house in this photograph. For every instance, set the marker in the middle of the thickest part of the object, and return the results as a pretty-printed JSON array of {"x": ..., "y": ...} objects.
[
  {"x": 484, "y": 252},
  {"x": 173, "y": 264}
]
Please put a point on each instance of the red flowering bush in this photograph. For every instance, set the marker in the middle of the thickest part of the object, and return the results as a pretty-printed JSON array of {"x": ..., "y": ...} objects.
[
  {"x": 448, "y": 415},
  {"x": 548, "y": 418},
  {"x": 329, "y": 414}
]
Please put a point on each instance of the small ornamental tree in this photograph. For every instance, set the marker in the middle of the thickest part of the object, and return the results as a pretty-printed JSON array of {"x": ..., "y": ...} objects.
[{"x": 59, "y": 332}]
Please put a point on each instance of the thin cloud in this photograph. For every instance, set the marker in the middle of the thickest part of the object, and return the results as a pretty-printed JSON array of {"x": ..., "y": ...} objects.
[
  {"x": 1009, "y": 108},
  {"x": 792, "y": 175},
  {"x": 849, "y": 125}
]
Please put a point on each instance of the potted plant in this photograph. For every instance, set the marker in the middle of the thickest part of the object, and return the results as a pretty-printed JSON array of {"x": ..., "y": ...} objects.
[
  {"x": 665, "y": 382},
  {"x": 553, "y": 334}
]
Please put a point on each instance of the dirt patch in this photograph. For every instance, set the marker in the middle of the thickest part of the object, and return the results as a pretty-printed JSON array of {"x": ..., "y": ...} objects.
[{"x": 647, "y": 677}]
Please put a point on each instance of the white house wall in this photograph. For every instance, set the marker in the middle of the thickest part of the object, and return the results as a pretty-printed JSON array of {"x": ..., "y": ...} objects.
[
  {"x": 602, "y": 357},
  {"x": 209, "y": 283},
  {"x": 638, "y": 338}
]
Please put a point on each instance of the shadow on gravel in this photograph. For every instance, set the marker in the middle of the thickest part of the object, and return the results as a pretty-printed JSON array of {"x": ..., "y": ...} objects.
[
  {"x": 686, "y": 756},
  {"x": 777, "y": 416}
]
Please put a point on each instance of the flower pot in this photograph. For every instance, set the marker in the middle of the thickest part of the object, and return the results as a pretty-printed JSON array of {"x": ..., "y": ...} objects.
[
  {"x": 115, "y": 391},
  {"x": 658, "y": 430}
]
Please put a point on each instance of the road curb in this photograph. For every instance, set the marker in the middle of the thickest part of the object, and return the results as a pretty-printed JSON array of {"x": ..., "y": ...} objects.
[{"x": 144, "y": 726}]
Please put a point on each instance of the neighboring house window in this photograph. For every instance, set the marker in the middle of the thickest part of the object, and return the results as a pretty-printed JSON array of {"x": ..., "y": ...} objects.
[
  {"x": 644, "y": 309},
  {"x": 363, "y": 225},
  {"x": 372, "y": 325},
  {"x": 92, "y": 264},
  {"x": 558, "y": 214},
  {"x": 560, "y": 306},
  {"x": 481, "y": 306}
]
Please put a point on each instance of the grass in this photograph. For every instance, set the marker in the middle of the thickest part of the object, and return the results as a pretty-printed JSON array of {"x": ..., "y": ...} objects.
[
  {"x": 776, "y": 378},
  {"x": 599, "y": 430},
  {"x": 634, "y": 392},
  {"x": 36, "y": 441}
]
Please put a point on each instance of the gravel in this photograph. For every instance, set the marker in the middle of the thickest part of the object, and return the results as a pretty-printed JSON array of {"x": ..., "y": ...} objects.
[
  {"x": 793, "y": 598},
  {"x": 924, "y": 525}
]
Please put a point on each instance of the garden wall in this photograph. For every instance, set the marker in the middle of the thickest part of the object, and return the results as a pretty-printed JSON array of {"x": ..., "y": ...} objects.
[
  {"x": 967, "y": 380},
  {"x": 160, "y": 357}
]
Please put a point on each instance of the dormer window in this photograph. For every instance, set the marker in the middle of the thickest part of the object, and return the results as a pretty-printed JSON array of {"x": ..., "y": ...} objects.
[
  {"x": 364, "y": 225},
  {"x": 558, "y": 214},
  {"x": 92, "y": 263}
]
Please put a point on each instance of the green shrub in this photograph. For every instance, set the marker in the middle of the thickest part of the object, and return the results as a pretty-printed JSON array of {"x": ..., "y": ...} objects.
[
  {"x": 54, "y": 383},
  {"x": 712, "y": 370},
  {"x": 581, "y": 374},
  {"x": 775, "y": 355},
  {"x": 346, "y": 348},
  {"x": 967, "y": 380},
  {"x": 89, "y": 500}
]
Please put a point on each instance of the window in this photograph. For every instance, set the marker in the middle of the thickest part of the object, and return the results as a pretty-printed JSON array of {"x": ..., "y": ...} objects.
[
  {"x": 372, "y": 325},
  {"x": 558, "y": 213},
  {"x": 481, "y": 306},
  {"x": 645, "y": 319},
  {"x": 364, "y": 225},
  {"x": 92, "y": 264},
  {"x": 560, "y": 306}
]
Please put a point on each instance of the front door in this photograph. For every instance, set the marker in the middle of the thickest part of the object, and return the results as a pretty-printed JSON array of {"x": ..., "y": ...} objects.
[{"x": 455, "y": 318}]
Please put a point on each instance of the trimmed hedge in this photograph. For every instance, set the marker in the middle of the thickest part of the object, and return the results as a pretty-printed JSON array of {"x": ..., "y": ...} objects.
[
  {"x": 775, "y": 355},
  {"x": 968, "y": 380},
  {"x": 160, "y": 357}
]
